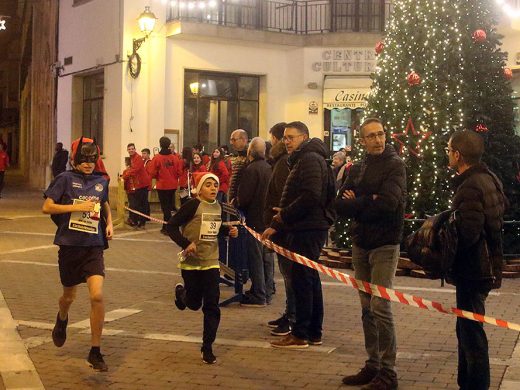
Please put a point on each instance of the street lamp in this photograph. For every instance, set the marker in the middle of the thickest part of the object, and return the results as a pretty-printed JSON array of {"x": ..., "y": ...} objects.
[{"x": 146, "y": 23}]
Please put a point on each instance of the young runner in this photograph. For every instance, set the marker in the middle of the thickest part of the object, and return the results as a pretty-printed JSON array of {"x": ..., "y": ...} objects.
[
  {"x": 201, "y": 221},
  {"x": 78, "y": 203}
]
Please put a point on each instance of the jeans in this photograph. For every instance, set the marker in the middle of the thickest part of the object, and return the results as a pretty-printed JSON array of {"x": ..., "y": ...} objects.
[
  {"x": 166, "y": 198},
  {"x": 261, "y": 270},
  {"x": 473, "y": 370},
  {"x": 138, "y": 201},
  {"x": 377, "y": 266},
  {"x": 306, "y": 284},
  {"x": 285, "y": 266},
  {"x": 202, "y": 289}
]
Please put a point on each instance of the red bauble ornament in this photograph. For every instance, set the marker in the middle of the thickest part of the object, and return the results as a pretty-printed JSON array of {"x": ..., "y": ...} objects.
[
  {"x": 508, "y": 73},
  {"x": 379, "y": 47},
  {"x": 481, "y": 128},
  {"x": 413, "y": 78},
  {"x": 479, "y": 36}
]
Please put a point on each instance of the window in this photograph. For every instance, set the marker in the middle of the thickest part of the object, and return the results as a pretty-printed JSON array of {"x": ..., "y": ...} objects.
[
  {"x": 215, "y": 104},
  {"x": 92, "y": 118}
]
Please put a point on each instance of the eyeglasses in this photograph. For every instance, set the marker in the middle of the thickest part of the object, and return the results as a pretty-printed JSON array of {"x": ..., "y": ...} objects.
[
  {"x": 290, "y": 138},
  {"x": 449, "y": 150},
  {"x": 373, "y": 136}
]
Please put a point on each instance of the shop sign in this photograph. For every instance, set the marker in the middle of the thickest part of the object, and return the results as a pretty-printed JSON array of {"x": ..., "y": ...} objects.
[
  {"x": 346, "y": 61},
  {"x": 345, "y": 98}
]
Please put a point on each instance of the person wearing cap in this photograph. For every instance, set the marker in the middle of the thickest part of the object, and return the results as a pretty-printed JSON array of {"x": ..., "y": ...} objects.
[
  {"x": 200, "y": 220},
  {"x": 77, "y": 201}
]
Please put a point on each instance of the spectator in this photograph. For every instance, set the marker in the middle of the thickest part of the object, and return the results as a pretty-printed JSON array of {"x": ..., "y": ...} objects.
[
  {"x": 282, "y": 326},
  {"x": 199, "y": 149},
  {"x": 138, "y": 199},
  {"x": 198, "y": 164},
  {"x": 251, "y": 200},
  {"x": 218, "y": 167},
  {"x": 185, "y": 170},
  {"x": 302, "y": 216},
  {"x": 59, "y": 161},
  {"x": 4, "y": 164},
  {"x": 238, "y": 162},
  {"x": 164, "y": 168},
  {"x": 374, "y": 197},
  {"x": 479, "y": 202}
]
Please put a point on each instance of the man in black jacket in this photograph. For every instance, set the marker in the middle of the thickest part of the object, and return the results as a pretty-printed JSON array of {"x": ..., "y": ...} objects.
[
  {"x": 479, "y": 203},
  {"x": 302, "y": 218},
  {"x": 374, "y": 197},
  {"x": 59, "y": 161},
  {"x": 251, "y": 200}
]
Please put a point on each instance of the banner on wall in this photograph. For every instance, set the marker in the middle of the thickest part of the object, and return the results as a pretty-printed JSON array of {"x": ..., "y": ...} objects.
[{"x": 345, "y": 98}]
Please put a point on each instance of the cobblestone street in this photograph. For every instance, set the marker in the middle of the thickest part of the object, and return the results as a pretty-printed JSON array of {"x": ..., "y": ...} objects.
[{"x": 149, "y": 344}]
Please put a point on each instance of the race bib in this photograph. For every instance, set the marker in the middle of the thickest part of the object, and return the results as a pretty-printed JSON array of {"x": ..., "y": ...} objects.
[
  {"x": 210, "y": 226},
  {"x": 84, "y": 221}
]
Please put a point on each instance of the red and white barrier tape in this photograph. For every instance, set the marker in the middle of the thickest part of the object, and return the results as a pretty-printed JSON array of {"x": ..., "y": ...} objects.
[{"x": 372, "y": 289}]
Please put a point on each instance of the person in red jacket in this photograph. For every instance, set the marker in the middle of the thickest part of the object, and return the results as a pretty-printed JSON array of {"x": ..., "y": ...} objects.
[
  {"x": 218, "y": 167},
  {"x": 4, "y": 164},
  {"x": 138, "y": 199},
  {"x": 198, "y": 164},
  {"x": 164, "y": 168},
  {"x": 199, "y": 149}
]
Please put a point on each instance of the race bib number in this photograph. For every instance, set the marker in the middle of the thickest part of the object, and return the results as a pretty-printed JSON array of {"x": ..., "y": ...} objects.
[
  {"x": 84, "y": 221},
  {"x": 210, "y": 226}
]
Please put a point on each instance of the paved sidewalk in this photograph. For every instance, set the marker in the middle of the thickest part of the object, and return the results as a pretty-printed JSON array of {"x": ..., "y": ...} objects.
[{"x": 148, "y": 344}]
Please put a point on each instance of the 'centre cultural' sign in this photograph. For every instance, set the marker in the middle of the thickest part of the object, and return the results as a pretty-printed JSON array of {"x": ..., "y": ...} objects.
[{"x": 346, "y": 61}]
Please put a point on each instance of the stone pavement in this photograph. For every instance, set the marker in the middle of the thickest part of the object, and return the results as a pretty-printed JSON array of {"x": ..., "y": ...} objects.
[{"x": 148, "y": 344}]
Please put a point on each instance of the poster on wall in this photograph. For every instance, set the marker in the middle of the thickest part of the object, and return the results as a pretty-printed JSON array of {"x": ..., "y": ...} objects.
[{"x": 313, "y": 107}]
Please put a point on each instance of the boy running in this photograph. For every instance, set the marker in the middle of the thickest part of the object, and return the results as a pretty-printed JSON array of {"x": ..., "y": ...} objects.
[
  {"x": 77, "y": 201},
  {"x": 200, "y": 220}
]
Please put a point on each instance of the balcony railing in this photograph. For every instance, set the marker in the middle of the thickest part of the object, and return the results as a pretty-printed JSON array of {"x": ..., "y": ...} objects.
[{"x": 287, "y": 16}]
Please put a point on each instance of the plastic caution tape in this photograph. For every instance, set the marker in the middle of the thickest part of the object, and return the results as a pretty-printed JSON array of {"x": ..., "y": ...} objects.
[
  {"x": 383, "y": 292},
  {"x": 369, "y": 288}
]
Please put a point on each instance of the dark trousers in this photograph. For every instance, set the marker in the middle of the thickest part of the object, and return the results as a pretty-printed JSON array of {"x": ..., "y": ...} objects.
[
  {"x": 473, "y": 370},
  {"x": 166, "y": 198},
  {"x": 138, "y": 201},
  {"x": 202, "y": 289},
  {"x": 306, "y": 284},
  {"x": 2, "y": 173}
]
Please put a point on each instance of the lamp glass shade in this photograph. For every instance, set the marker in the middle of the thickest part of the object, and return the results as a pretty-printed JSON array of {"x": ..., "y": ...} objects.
[
  {"x": 147, "y": 21},
  {"x": 194, "y": 88}
]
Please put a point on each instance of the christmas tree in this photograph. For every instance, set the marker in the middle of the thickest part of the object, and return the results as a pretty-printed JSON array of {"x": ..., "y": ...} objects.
[{"x": 440, "y": 68}]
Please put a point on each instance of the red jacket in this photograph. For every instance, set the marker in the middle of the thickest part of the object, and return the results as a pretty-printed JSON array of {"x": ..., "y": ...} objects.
[
  {"x": 183, "y": 176},
  {"x": 137, "y": 173},
  {"x": 222, "y": 173},
  {"x": 165, "y": 169},
  {"x": 4, "y": 161}
]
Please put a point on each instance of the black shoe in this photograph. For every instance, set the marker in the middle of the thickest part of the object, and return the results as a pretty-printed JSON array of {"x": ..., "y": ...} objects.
[
  {"x": 164, "y": 231},
  {"x": 363, "y": 377},
  {"x": 277, "y": 322},
  {"x": 282, "y": 330},
  {"x": 59, "y": 333},
  {"x": 180, "y": 296},
  {"x": 385, "y": 380},
  {"x": 249, "y": 301},
  {"x": 315, "y": 341},
  {"x": 207, "y": 356},
  {"x": 130, "y": 223},
  {"x": 96, "y": 362}
]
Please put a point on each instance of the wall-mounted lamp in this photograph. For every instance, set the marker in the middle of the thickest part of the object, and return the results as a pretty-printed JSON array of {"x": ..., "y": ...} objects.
[
  {"x": 194, "y": 88},
  {"x": 146, "y": 23},
  {"x": 2, "y": 22}
]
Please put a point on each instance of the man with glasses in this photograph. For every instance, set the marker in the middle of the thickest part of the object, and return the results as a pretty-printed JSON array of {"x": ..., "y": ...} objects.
[
  {"x": 374, "y": 197},
  {"x": 479, "y": 202},
  {"x": 302, "y": 218}
]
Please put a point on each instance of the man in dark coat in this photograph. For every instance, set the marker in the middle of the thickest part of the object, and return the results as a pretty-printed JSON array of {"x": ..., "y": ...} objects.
[
  {"x": 374, "y": 197},
  {"x": 479, "y": 203},
  {"x": 251, "y": 200},
  {"x": 59, "y": 161},
  {"x": 302, "y": 217},
  {"x": 281, "y": 326}
]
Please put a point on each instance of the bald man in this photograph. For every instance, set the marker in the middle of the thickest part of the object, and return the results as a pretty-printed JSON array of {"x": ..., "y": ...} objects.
[
  {"x": 251, "y": 200},
  {"x": 238, "y": 141}
]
